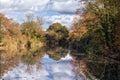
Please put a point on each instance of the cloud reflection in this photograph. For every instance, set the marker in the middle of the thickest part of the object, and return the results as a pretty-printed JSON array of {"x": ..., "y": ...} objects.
[{"x": 51, "y": 70}]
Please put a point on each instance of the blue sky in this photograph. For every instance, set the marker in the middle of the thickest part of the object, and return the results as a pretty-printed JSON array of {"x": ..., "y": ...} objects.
[{"x": 51, "y": 11}]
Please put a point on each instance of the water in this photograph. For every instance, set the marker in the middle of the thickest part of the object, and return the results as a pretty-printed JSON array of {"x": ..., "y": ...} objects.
[
  {"x": 45, "y": 69},
  {"x": 58, "y": 65}
]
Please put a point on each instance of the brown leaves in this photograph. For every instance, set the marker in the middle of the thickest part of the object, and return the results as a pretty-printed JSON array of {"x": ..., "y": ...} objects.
[{"x": 9, "y": 25}]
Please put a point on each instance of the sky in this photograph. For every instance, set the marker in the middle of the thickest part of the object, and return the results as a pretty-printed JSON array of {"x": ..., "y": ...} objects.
[{"x": 51, "y": 11}]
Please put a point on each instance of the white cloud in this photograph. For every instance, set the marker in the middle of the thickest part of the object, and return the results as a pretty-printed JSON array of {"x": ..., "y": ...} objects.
[
  {"x": 16, "y": 9},
  {"x": 63, "y": 6},
  {"x": 5, "y": 3},
  {"x": 63, "y": 19},
  {"x": 22, "y": 5}
]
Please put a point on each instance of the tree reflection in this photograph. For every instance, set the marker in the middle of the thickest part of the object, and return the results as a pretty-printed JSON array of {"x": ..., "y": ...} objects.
[
  {"x": 97, "y": 68},
  {"x": 57, "y": 53},
  {"x": 32, "y": 57},
  {"x": 7, "y": 62}
]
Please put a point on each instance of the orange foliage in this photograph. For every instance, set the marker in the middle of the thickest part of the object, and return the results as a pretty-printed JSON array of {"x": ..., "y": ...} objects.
[
  {"x": 9, "y": 25},
  {"x": 77, "y": 34}
]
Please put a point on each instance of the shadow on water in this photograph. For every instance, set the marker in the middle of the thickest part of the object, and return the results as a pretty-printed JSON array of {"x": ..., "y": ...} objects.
[{"x": 98, "y": 67}]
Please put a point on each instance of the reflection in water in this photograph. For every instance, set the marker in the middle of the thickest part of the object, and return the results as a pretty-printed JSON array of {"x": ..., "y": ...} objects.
[
  {"x": 100, "y": 68},
  {"x": 31, "y": 58},
  {"x": 7, "y": 63},
  {"x": 56, "y": 65},
  {"x": 105, "y": 71},
  {"x": 58, "y": 53},
  {"x": 51, "y": 70},
  {"x": 8, "y": 60},
  {"x": 111, "y": 72}
]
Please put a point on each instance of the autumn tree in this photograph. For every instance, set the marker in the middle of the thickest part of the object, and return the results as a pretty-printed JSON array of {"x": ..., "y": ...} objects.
[
  {"x": 12, "y": 38},
  {"x": 0, "y": 29},
  {"x": 57, "y": 35},
  {"x": 33, "y": 28},
  {"x": 101, "y": 18},
  {"x": 9, "y": 26}
]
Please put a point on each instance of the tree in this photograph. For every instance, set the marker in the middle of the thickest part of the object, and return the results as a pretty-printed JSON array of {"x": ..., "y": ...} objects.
[
  {"x": 0, "y": 29},
  {"x": 9, "y": 26},
  {"x": 101, "y": 22},
  {"x": 98, "y": 29},
  {"x": 57, "y": 35},
  {"x": 32, "y": 28}
]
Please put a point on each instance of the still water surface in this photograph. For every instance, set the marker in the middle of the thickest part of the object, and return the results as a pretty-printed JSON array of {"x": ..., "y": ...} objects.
[
  {"x": 45, "y": 69},
  {"x": 58, "y": 65}
]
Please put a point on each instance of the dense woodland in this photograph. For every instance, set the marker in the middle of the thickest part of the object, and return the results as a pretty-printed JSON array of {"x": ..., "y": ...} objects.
[
  {"x": 99, "y": 29},
  {"x": 97, "y": 32}
]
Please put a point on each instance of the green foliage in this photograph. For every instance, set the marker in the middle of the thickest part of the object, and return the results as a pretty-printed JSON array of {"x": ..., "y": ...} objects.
[
  {"x": 57, "y": 35},
  {"x": 32, "y": 29},
  {"x": 105, "y": 22},
  {"x": 101, "y": 20}
]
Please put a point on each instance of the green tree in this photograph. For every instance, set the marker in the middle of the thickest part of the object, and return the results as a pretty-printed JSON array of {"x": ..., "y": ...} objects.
[
  {"x": 57, "y": 35},
  {"x": 102, "y": 23}
]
